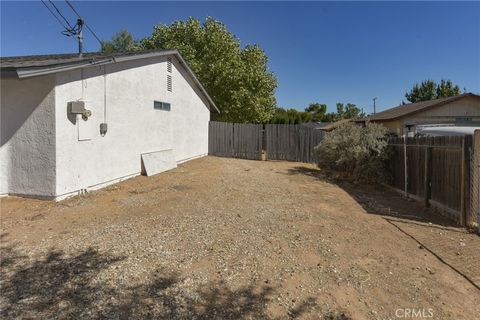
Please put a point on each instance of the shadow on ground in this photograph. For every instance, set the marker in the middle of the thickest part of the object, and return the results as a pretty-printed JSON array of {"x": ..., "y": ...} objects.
[
  {"x": 410, "y": 218},
  {"x": 379, "y": 200},
  {"x": 68, "y": 287}
]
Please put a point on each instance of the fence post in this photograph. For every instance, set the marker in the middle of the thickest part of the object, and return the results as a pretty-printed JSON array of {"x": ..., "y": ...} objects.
[
  {"x": 463, "y": 218},
  {"x": 405, "y": 165},
  {"x": 475, "y": 181},
  {"x": 428, "y": 167}
]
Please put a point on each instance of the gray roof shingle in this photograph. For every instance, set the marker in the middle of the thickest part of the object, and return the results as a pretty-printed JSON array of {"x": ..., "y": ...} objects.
[{"x": 12, "y": 63}]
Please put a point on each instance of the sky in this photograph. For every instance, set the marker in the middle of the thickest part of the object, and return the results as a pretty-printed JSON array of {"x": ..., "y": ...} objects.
[{"x": 324, "y": 52}]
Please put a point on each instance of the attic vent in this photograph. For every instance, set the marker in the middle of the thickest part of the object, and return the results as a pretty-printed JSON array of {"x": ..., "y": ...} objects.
[
  {"x": 169, "y": 82},
  {"x": 169, "y": 65}
]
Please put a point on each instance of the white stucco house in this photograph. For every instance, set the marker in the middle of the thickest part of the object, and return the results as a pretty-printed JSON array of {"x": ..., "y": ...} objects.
[{"x": 69, "y": 124}]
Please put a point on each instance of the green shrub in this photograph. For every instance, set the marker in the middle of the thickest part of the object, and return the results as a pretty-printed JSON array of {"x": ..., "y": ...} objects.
[{"x": 359, "y": 152}]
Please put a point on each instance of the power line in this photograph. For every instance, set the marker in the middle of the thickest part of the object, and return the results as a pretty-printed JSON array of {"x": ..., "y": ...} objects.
[
  {"x": 69, "y": 31},
  {"x": 56, "y": 17},
  {"x": 86, "y": 25},
  {"x": 75, "y": 31},
  {"x": 53, "y": 14},
  {"x": 61, "y": 15}
]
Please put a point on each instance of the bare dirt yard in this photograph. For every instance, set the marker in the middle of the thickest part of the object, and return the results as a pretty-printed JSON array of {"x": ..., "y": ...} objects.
[{"x": 228, "y": 239}]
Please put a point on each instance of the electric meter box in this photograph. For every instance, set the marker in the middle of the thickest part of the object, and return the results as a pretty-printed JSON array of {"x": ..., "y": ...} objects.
[{"x": 76, "y": 107}]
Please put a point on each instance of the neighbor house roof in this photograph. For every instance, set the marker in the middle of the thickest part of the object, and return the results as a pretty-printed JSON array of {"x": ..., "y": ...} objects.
[
  {"x": 336, "y": 124},
  {"x": 315, "y": 125},
  {"x": 30, "y": 66},
  {"x": 412, "y": 108}
]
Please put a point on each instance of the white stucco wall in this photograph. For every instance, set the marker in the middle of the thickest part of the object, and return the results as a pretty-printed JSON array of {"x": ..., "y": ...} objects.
[
  {"x": 190, "y": 117},
  {"x": 134, "y": 126},
  {"x": 27, "y": 135}
]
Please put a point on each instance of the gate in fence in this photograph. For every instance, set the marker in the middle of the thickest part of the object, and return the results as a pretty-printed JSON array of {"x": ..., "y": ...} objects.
[{"x": 275, "y": 141}]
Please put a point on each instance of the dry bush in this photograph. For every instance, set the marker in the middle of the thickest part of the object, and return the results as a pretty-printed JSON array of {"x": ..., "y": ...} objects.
[{"x": 360, "y": 152}]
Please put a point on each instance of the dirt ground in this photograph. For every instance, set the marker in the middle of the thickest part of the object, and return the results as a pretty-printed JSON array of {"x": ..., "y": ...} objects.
[{"x": 227, "y": 239}]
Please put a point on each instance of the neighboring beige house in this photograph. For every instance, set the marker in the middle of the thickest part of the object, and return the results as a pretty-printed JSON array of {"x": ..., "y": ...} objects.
[{"x": 461, "y": 110}]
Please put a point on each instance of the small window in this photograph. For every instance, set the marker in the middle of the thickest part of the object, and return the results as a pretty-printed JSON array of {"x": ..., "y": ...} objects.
[
  {"x": 169, "y": 83},
  {"x": 161, "y": 105},
  {"x": 169, "y": 65}
]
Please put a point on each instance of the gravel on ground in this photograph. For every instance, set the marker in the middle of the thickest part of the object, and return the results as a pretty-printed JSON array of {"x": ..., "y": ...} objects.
[{"x": 221, "y": 238}]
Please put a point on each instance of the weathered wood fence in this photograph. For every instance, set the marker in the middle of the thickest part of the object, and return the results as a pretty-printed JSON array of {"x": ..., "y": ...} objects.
[
  {"x": 235, "y": 140},
  {"x": 275, "y": 141},
  {"x": 291, "y": 142},
  {"x": 435, "y": 170}
]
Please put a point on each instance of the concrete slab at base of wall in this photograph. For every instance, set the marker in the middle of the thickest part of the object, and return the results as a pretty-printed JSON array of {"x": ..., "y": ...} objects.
[
  {"x": 156, "y": 162},
  {"x": 109, "y": 183},
  {"x": 192, "y": 158},
  {"x": 73, "y": 193},
  {"x": 95, "y": 187},
  {"x": 90, "y": 188}
]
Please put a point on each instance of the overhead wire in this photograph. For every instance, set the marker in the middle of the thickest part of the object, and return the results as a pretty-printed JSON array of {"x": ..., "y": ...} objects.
[
  {"x": 69, "y": 30},
  {"x": 61, "y": 15},
  {"x": 56, "y": 17},
  {"x": 86, "y": 25}
]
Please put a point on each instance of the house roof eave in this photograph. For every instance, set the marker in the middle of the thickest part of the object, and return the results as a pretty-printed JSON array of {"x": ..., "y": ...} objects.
[{"x": 40, "y": 70}]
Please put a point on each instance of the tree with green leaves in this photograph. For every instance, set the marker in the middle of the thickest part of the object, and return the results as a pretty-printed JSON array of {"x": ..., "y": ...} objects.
[
  {"x": 340, "y": 110},
  {"x": 317, "y": 110},
  {"x": 120, "y": 42},
  {"x": 238, "y": 80},
  {"x": 290, "y": 116},
  {"x": 352, "y": 112},
  {"x": 280, "y": 116},
  {"x": 447, "y": 89},
  {"x": 344, "y": 111},
  {"x": 430, "y": 90},
  {"x": 331, "y": 117}
]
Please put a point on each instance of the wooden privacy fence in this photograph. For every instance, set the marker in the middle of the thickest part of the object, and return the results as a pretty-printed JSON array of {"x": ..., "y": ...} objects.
[
  {"x": 276, "y": 141},
  {"x": 235, "y": 140},
  {"x": 436, "y": 170},
  {"x": 291, "y": 142}
]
